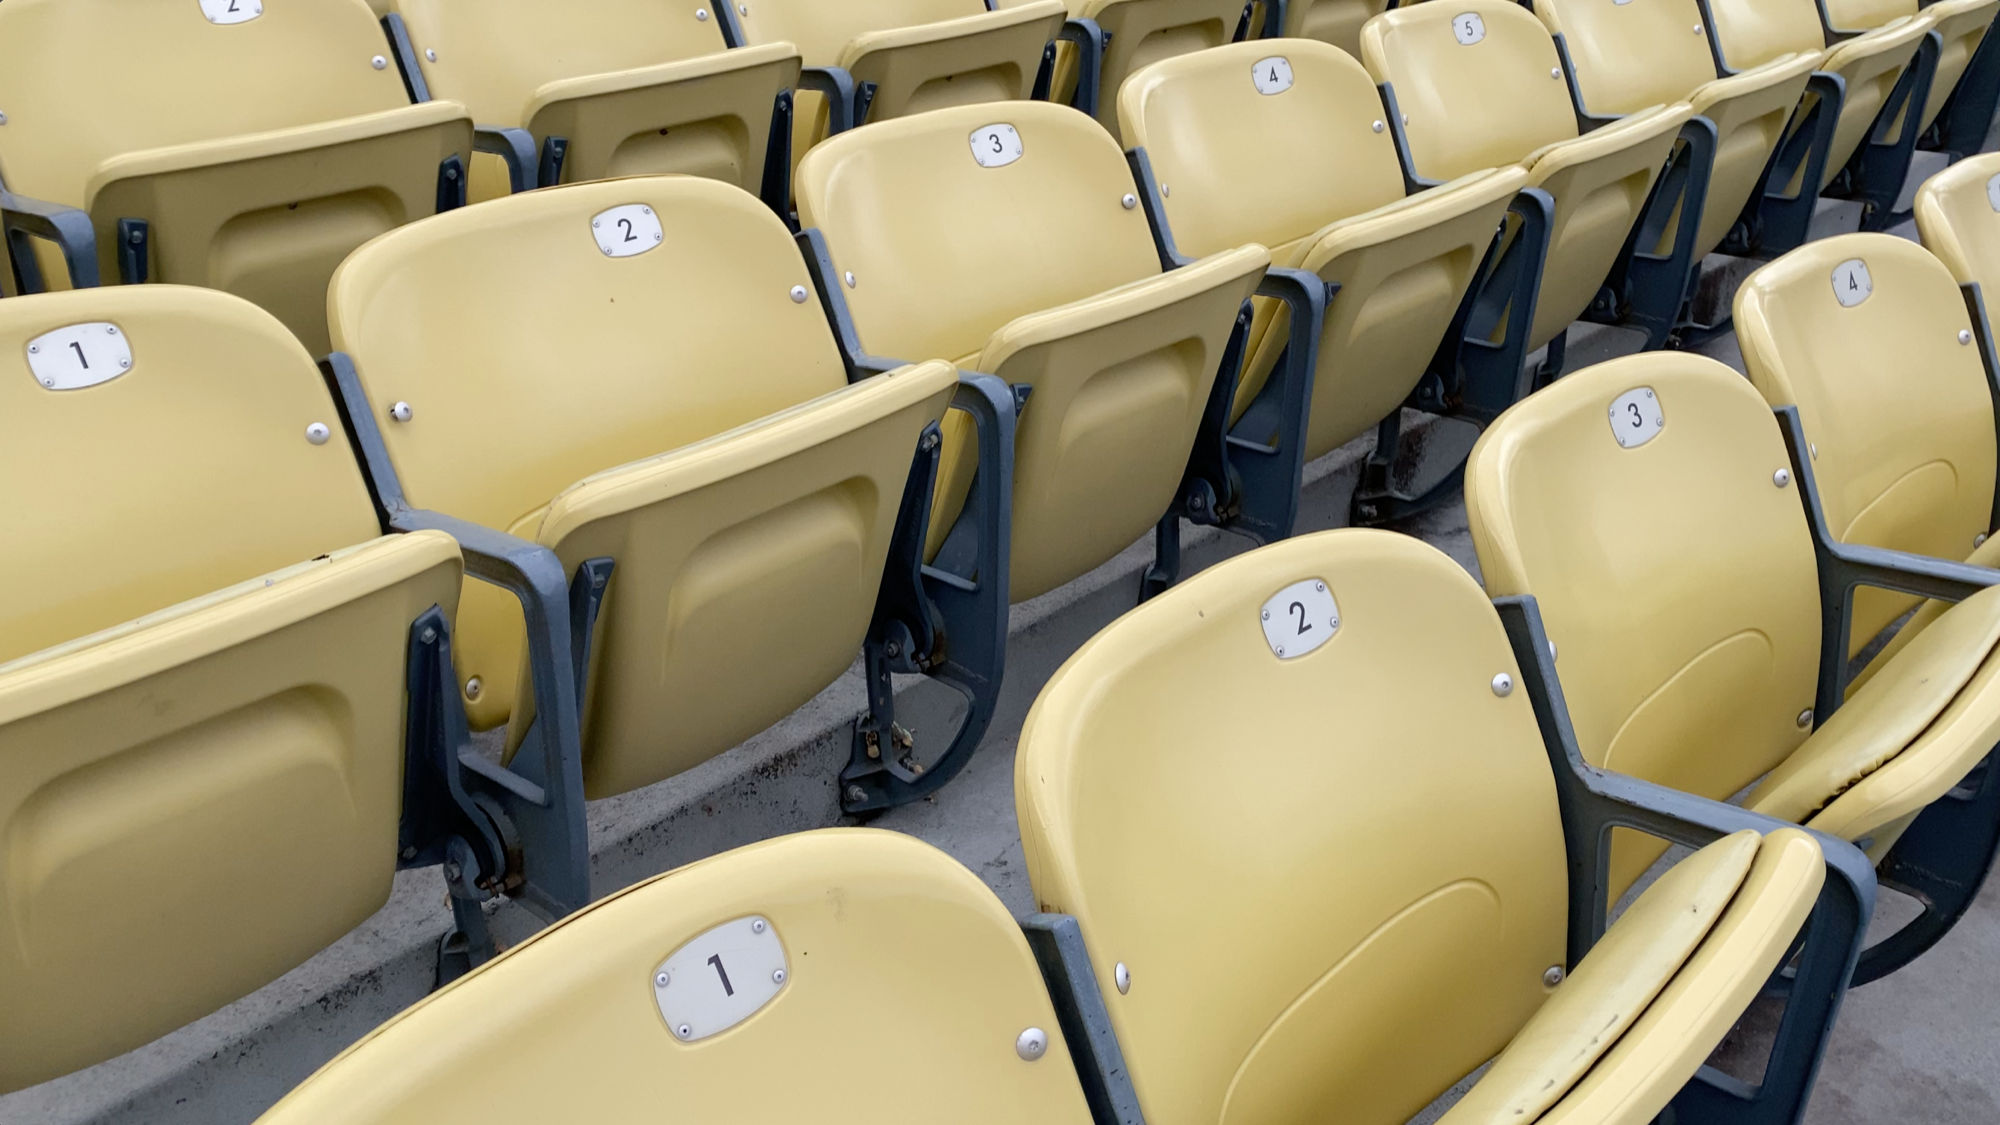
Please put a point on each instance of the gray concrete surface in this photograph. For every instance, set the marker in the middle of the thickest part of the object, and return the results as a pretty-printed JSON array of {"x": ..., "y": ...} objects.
[{"x": 1920, "y": 1047}]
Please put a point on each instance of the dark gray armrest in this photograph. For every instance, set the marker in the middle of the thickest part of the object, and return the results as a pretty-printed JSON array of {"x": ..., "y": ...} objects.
[
  {"x": 516, "y": 147},
  {"x": 22, "y": 218},
  {"x": 843, "y": 97}
]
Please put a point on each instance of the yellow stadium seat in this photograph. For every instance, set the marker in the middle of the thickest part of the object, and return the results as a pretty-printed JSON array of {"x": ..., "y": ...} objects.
[
  {"x": 1959, "y": 26},
  {"x": 1625, "y": 57},
  {"x": 644, "y": 386},
  {"x": 744, "y": 989},
  {"x": 1337, "y": 22},
  {"x": 1397, "y": 268},
  {"x": 1851, "y": 126},
  {"x": 234, "y": 146},
  {"x": 1009, "y": 239},
  {"x": 227, "y": 686},
  {"x": 1481, "y": 86},
  {"x": 661, "y": 93},
  {"x": 1398, "y": 874},
  {"x": 873, "y": 60},
  {"x": 1110, "y": 40},
  {"x": 1828, "y": 328},
  {"x": 1661, "y": 519},
  {"x": 1958, "y": 216}
]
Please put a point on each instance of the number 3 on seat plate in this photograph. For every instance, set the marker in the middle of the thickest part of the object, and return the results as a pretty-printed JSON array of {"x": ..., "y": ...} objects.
[
  {"x": 720, "y": 978},
  {"x": 996, "y": 146},
  {"x": 1636, "y": 417},
  {"x": 1300, "y": 618}
]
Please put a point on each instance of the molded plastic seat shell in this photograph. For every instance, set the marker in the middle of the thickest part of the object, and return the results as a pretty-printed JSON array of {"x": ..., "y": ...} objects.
[
  {"x": 1141, "y": 33},
  {"x": 1892, "y": 393},
  {"x": 1960, "y": 24},
  {"x": 678, "y": 411},
  {"x": 1041, "y": 271},
  {"x": 1500, "y": 100},
  {"x": 1335, "y": 208},
  {"x": 259, "y": 153},
  {"x": 1751, "y": 33},
  {"x": 662, "y": 94},
  {"x": 202, "y": 684},
  {"x": 1353, "y": 941},
  {"x": 885, "y": 939},
  {"x": 919, "y": 54},
  {"x": 1631, "y": 56},
  {"x": 1338, "y": 22},
  {"x": 1959, "y": 220},
  {"x": 1678, "y": 579}
]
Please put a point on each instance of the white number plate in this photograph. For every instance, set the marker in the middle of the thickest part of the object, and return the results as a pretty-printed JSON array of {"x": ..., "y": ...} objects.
[
  {"x": 624, "y": 231},
  {"x": 721, "y": 978},
  {"x": 1272, "y": 75},
  {"x": 1993, "y": 192},
  {"x": 1468, "y": 27},
  {"x": 1300, "y": 618},
  {"x": 1636, "y": 417},
  {"x": 1851, "y": 283},
  {"x": 232, "y": 11},
  {"x": 996, "y": 146},
  {"x": 81, "y": 355}
]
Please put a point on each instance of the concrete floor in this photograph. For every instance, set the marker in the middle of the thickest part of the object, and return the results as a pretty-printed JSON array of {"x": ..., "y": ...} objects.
[{"x": 1921, "y": 1048}]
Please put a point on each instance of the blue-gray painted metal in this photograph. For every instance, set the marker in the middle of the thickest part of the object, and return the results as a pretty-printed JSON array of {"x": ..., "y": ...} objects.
[
  {"x": 1593, "y": 802},
  {"x": 1058, "y": 946},
  {"x": 23, "y": 219},
  {"x": 946, "y": 619},
  {"x": 540, "y": 793}
]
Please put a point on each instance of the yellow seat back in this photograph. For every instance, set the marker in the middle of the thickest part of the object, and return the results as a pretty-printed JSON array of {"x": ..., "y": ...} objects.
[
  {"x": 1958, "y": 215},
  {"x": 663, "y": 94},
  {"x": 945, "y": 251},
  {"x": 541, "y": 342},
  {"x": 1862, "y": 15},
  {"x": 1009, "y": 238},
  {"x": 1208, "y": 122},
  {"x": 1209, "y": 127},
  {"x": 1632, "y": 55},
  {"x": 492, "y": 55},
  {"x": 1479, "y": 81},
  {"x": 919, "y": 54},
  {"x": 1754, "y": 32},
  {"x": 1867, "y": 335},
  {"x": 823, "y": 31},
  {"x": 180, "y": 79},
  {"x": 1331, "y": 21},
  {"x": 532, "y": 359},
  {"x": 205, "y": 693},
  {"x": 1675, "y": 572},
  {"x": 1961, "y": 26},
  {"x": 184, "y": 472},
  {"x": 1144, "y": 32},
  {"x": 1349, "y": 941},
  {"x": 879, "y": 938}
]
